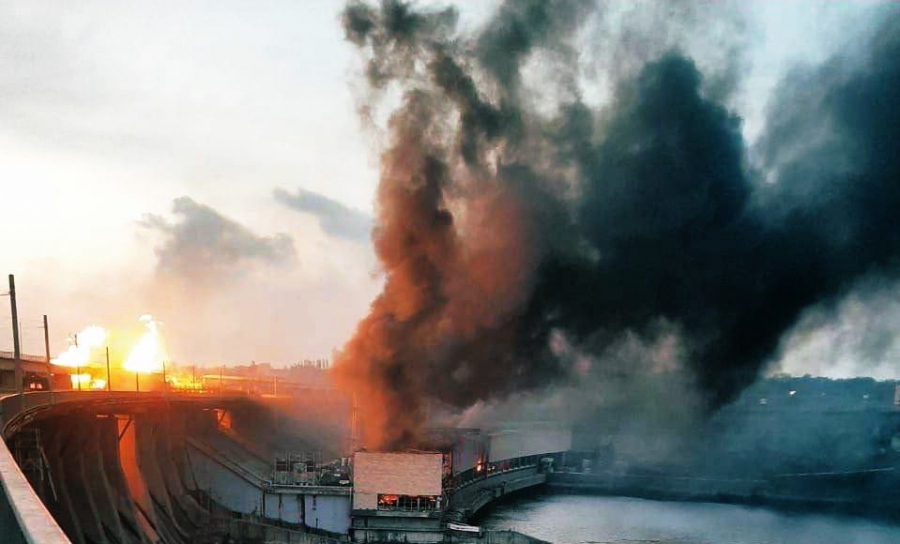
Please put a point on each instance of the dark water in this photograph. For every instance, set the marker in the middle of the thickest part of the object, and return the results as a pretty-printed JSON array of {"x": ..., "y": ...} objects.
[{"x": 571, "y": 519}]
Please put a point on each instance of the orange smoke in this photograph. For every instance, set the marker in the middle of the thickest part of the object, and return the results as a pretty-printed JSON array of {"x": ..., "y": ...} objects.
[{"x": 451, "y": 281}]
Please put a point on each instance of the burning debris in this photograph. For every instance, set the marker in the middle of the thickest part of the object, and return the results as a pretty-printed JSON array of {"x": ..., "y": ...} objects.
[{"x": 501, "y": 226}]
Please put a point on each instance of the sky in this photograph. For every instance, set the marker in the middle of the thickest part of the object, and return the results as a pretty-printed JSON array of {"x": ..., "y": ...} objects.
[{"x": 140, "y": 139}]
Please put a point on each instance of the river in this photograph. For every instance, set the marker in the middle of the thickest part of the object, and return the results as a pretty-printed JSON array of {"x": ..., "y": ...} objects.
[{"x": 577, "y": 519}]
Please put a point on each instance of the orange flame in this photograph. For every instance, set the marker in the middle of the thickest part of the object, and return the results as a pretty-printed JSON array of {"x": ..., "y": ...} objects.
[
  {"x": 86, "y": 381},
  {"x": 147, "y": 355},
  {"x": 79, "y": 353}
]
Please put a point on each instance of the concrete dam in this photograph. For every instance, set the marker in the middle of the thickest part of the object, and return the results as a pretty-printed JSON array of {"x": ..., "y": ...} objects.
[{"x": 132, "y": 468}]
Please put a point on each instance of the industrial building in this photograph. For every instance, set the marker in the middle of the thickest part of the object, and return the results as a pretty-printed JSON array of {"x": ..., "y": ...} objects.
[{"x": 398, "y": 496}]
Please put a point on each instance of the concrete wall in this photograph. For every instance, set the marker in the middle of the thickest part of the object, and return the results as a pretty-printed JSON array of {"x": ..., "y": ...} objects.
[
  {"x": 508, "y": 444},
  {"x": 23, "y": 518},
  {"x": 479, "y": 493},
  {"x": 219, "y": 473},
  {"x": 224, "y": 486},
  {"x": 496, "y": 537},
  {"x": 9, "y": 524},
  {"x": 394, "y": 473},
  {"x": 328, "y": 512},
  {"x": 120, "y": 470},
  {"x": 284, "y": 507},
  {"x": 397, "y": 528}
]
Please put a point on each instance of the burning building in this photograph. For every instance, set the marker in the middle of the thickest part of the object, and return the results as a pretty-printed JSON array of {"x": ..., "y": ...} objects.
[{"x": 398, "y": 496}]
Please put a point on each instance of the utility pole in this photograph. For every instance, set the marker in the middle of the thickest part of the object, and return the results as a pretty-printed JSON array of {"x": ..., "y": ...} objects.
[
  {"x": 78, "y": 368},
  {"x": 108, "y": 375},
  {"x": 17, "y": 362},
  {"x": 164, "y": 378},
  {"x": 47, "y": 355}
]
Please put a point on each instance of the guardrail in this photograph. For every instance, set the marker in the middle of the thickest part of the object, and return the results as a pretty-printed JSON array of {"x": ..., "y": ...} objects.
[
  {"x": 23, "y": 357},
  {"x": 24, "y": 517},
  {"x": 19, "y": 410}
]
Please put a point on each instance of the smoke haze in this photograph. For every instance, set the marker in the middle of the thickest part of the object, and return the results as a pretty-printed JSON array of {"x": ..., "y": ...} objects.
[
  {"x": 335, "y": 218},
  {"x": 226, "y": 293},
  {"x": 203, "y": 243},
  {"x": 523, "y": 244}
]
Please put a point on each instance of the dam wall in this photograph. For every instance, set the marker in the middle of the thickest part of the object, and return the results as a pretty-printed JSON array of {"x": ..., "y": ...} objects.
[
  {"x": 475, "y": 495},
  {"x": 135, "y": 468}
]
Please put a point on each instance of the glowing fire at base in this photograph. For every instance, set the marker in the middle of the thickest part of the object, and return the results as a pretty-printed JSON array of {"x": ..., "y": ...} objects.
[
  {"x": 86, "y": 381},
  {"x": 147, "y": 356}
]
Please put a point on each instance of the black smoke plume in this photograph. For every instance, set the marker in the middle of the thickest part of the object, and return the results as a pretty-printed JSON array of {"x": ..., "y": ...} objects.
[{"x": 502, "y": 228}]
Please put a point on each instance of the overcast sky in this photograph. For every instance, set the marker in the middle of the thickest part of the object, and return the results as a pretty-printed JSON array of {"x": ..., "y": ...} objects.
[{"x": 134, "y": 133}]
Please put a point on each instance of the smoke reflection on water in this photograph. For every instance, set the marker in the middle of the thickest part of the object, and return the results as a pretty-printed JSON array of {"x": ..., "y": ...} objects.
[{"x": 571, "y": 519}]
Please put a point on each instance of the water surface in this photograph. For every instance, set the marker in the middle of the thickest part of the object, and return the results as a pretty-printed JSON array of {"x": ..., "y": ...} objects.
[{"x": 576, "y": 519}]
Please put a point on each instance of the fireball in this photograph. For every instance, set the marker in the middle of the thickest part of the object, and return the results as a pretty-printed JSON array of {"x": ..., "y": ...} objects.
[
  {"x": 147, "y": 355},
  {"x": 79, "y": 353}
]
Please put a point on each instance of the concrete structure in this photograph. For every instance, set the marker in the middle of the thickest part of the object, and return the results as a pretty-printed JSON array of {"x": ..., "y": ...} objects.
[
  {"x": 397, "y": 497},
  {"x": 527, "y": 441},
  {"x": 23, "y": 517},
  {"x": 129, "y": 468},
  {"x": 380, "y": 479},
  {"x": 35, "y": 372}
]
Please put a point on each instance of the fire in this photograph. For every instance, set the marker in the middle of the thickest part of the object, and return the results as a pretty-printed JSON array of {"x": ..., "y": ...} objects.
[
  {"x": 147, "y": 355},
  {"x": 79, "y": 353},
  {"x": 86, "y": 381},
  {"x": 82, "y": 380}
]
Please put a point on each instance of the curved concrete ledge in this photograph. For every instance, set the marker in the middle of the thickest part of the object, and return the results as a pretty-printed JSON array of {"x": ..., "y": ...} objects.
[
  {"x": 19, "y": 410},
  {"x": 35, "y": 524},
  {"x": 475, "y": 495},
  {"x": 23, "y": 516}
]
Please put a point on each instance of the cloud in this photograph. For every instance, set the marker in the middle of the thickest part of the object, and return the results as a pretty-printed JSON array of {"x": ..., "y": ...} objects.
[
  {"x": 335, "y": 218},
  {"x": 203, "y": 243}
]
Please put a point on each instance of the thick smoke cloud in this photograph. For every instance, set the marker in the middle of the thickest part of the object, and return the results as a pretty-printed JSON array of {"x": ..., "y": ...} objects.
[
  {"x": 856, "y": 337},
  {"x": 502, "y": 230},
  {"x": 335, "y": 218},
  {"x": 203, "y": 244}
]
